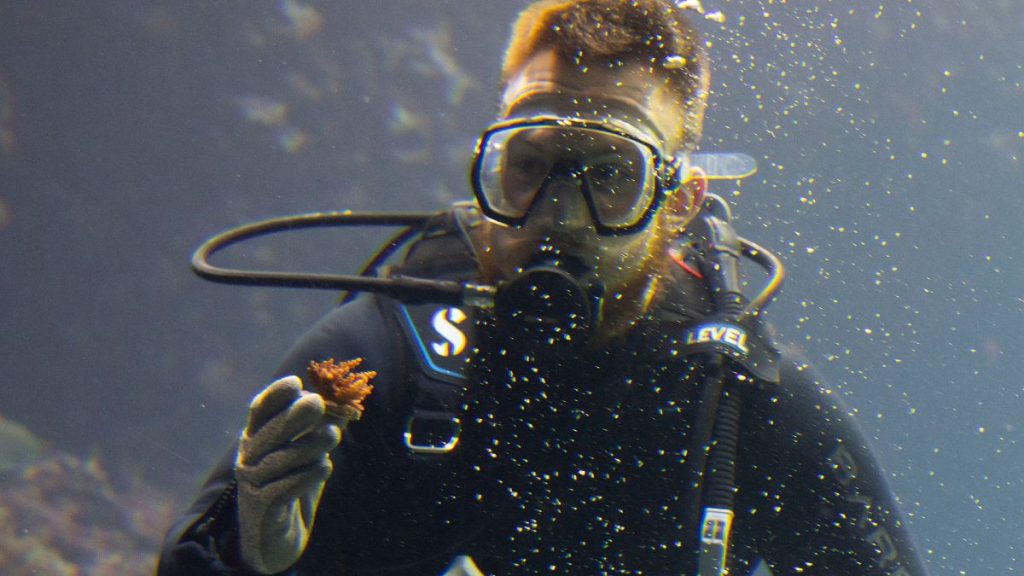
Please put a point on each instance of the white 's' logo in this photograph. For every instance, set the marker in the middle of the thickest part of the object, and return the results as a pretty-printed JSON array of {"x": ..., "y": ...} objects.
[{"x": 444, "y": 322}]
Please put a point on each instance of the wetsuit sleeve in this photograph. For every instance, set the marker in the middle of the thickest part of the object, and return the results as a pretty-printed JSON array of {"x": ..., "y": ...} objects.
[
  {"x": 819, "y": 502},
  {"x": 204, "y": 540}
]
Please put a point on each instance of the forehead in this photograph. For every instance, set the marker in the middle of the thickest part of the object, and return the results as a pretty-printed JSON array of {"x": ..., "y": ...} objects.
[
  {"x": 631, "y": 97},
  {"x": 575, "y": 140}
]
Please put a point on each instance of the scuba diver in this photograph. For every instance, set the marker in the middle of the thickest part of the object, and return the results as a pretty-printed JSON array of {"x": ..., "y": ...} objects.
[{"x": 601, "y": 397}]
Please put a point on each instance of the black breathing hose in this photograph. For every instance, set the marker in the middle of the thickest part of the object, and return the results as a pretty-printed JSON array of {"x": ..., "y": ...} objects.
[
  {"x": 406, "y": 289},
  {"x": 722, "y": 461},
  {"x": 717, "y": 430}
]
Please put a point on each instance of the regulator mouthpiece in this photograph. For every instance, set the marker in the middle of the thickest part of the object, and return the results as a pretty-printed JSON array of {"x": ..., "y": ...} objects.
[{"x": 546, "y": 302}]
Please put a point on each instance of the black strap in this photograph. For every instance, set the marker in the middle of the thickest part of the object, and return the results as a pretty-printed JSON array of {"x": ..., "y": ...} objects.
[
  {"x": 747, "y": 346},
  {"x": 442, "y": 251}
]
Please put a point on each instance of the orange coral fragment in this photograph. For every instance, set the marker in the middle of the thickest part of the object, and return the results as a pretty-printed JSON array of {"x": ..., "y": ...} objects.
[{"x": 343, "y": 390}]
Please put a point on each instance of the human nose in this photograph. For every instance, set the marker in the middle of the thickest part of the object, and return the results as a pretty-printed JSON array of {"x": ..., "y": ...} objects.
[{"x": 563, "y": 204}]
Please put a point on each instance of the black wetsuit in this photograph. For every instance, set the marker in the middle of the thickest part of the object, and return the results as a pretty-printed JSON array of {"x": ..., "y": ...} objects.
[{"x": 569, "y": 463}]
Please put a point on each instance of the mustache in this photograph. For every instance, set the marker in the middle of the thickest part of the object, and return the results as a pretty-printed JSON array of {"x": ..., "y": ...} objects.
[
  {"x": 568, "y": 244},
  {"x": 572, "y": 263}
]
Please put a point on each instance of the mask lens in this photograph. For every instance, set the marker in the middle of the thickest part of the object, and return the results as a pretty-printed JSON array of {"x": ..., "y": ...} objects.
[
  {"x": 618, "y": 174},
  {"x": 622, "y": 182},
  {"x": 514, "y": 164}
]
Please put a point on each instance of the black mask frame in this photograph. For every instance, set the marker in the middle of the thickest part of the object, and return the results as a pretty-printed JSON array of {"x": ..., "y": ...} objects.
[{"x": 670, "y": 171}]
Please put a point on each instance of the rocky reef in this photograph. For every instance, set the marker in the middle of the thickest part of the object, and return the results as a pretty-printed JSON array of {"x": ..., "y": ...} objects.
[{"x": 62, "y": 515}]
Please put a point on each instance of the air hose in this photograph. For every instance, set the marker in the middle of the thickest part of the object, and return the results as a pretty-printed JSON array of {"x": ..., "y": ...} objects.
[{"x": 717, "y": 429}]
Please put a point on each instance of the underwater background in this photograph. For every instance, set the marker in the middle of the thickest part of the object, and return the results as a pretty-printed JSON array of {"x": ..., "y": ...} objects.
[{"x": 888, "y": 133}]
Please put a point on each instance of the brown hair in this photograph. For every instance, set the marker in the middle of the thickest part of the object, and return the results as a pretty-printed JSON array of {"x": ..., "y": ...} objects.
[{"x": 651, "y": 31}]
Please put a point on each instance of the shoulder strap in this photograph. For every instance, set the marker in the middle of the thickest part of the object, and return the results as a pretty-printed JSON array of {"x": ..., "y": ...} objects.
[
  {"x": 439, "y": 335},
  {"x": 443, "y": 249}
]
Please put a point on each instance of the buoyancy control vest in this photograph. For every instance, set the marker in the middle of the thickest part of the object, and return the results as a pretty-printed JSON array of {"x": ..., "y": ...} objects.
[
  {"x": 682, "y": 325},
  {"x": 458, "y": 403},
  {"x": 700, "y": 331}
]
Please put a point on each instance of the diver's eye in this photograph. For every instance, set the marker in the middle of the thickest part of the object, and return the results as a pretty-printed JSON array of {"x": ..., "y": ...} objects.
[
  {"x": 528, "y": 167},
  {"x": 523, "y": 176},
  {"x": 610, "y": 176}
]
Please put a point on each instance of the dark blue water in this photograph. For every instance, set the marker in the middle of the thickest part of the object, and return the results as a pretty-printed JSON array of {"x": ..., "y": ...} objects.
[{"x": 889, "y": 137}]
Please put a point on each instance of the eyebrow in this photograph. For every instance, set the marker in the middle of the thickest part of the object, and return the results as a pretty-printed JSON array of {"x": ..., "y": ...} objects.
[
  {"x": 615, "y": 108},
  {"x": 527, "y": 141}
]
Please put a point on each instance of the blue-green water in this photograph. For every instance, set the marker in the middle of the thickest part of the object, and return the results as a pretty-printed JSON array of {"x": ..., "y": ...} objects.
[{"x": 889, "y": 137}]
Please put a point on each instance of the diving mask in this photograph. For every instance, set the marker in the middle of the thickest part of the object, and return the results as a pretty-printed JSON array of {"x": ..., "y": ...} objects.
[{"x": 622, "y": 178}]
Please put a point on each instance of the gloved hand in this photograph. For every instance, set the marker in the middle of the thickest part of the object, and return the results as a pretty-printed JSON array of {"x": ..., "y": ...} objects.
[{"x": 282, "y": 465}]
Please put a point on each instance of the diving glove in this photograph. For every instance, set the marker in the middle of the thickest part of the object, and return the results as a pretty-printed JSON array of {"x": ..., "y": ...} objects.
[{"x": 282, "y": 465}]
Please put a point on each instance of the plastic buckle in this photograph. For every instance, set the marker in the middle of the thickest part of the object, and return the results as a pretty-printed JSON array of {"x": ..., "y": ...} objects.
[{"x": 432, "y": 433}]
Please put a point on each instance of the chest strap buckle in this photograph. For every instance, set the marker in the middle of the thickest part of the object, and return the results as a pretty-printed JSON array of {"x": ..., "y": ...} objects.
[{"x": 432, "y": 432}]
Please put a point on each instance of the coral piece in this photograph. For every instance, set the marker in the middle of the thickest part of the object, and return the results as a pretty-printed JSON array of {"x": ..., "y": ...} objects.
[{"x": 343, "y": 390}]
